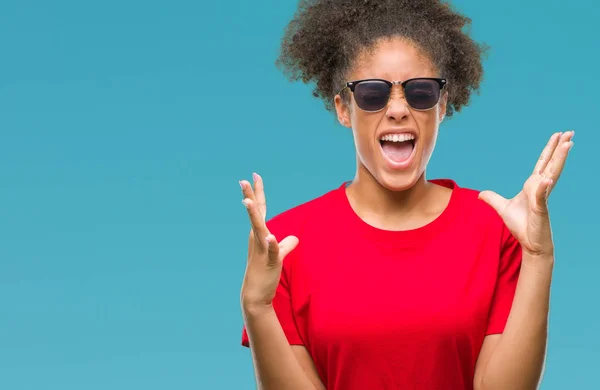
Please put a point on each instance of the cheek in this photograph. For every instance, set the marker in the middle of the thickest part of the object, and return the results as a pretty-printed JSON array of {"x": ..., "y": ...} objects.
[
  {"x": 363, "y": 129},
  {"x": 428, "y": 126}
]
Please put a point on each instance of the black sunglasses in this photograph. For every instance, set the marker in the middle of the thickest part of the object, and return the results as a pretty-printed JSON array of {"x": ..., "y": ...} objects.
[{"x": 372, "y": 95}]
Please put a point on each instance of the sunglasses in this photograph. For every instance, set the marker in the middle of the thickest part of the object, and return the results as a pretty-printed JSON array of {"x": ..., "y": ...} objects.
[{"x": 372, "y": 95}]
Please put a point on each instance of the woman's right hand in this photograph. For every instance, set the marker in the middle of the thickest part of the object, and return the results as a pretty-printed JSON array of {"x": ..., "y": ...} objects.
[{"x": 265, "y": 254}]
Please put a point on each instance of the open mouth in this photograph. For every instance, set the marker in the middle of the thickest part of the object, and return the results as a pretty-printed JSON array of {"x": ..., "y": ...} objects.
[{"x": 398, "y": 147}]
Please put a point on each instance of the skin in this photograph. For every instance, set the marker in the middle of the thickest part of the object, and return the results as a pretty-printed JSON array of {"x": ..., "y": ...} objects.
[
  {"x": 515, "y": 358},
  {"x": 386, "y": 198},
  {"x": 400, "y": 200}
]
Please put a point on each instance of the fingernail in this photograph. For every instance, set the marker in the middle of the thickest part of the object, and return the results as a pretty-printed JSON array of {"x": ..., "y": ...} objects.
[
  {"x": 245, "y": 203},
  {"x": 255, "y": 176},
  {"x": 241, "y": 184}
]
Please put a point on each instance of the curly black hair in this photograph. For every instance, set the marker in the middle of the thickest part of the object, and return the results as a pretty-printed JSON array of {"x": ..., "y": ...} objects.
[{"x": 325, "y": 36}]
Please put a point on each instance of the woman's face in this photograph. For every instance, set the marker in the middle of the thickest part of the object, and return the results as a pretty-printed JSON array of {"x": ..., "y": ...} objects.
[{"x": 396, "y": 166}]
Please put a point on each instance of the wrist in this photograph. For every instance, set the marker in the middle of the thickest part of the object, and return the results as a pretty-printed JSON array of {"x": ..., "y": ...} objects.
[
  {"x": 542, "y": 262},
  {"x": 254, "y": 313},
  {"x": 252, "y": 308},
  {"x": 541, "y": 253}
]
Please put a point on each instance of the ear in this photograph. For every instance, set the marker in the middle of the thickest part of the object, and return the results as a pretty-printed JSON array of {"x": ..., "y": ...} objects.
[
  {"x": 443, "y": 106},
  {"x": 343, "y": 111}
]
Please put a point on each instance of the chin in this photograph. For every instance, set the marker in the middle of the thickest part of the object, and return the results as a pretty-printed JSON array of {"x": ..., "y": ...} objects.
[{"x": 398, "y": 181}]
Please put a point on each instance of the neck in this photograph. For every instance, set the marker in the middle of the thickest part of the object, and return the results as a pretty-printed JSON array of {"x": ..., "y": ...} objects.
[{"x": 393, "y": 210}]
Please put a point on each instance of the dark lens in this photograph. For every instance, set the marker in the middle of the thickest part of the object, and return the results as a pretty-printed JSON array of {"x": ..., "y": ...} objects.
[
  {"x": 422, "y": 94},
  {"x": 371, "y": 95}
]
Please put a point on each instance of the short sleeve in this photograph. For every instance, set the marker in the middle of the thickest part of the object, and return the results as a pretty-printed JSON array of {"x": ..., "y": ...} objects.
[
  {"x": 506, "y": 284},
  {"x": 282, "y": 303}
]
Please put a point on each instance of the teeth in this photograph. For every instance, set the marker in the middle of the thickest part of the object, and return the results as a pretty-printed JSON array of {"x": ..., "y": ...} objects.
[{"x": 398, "y": 137}]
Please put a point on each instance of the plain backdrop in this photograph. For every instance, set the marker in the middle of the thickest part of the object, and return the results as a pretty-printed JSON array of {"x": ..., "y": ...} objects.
[{"x": 126, "y": 125}]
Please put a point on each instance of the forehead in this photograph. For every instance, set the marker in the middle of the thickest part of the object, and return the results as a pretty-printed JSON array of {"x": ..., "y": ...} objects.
[{"x": 392, "y": 59}]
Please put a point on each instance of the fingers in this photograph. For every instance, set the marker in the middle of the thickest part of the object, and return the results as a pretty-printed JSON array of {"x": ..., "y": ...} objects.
[
  {"x": 557, "y": 162},
  {"x": 257, "y": 220},
  {"x": 496, "y": 201},
  {"x": 547, "y": 153},
  {"x": 542, "y": 192},
  {"x": 278, "y": 252},
  {"x": 273, "y": 249},
  {"x": 259, "y": 193}
]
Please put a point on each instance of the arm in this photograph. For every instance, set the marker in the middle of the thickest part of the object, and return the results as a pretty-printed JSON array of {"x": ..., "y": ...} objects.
[
  {"x": 515, "y": 359},
  {"x": 278, "y": 365}
]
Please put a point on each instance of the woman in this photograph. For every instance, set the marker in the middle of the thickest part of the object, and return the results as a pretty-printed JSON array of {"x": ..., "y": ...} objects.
[{"x": 393, "y": 281}]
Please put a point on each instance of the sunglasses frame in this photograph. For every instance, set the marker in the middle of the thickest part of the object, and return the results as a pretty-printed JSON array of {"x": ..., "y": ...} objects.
[{"x": 442, "y": 83}]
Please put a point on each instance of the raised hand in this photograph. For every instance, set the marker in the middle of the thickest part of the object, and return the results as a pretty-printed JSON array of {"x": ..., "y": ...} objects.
[
  {"x": 265, "y": 254},
  {"x": 526, "y": 215}
]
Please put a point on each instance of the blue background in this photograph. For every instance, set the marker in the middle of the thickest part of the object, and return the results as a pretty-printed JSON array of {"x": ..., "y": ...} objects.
[{"x": 125, "y": 127}]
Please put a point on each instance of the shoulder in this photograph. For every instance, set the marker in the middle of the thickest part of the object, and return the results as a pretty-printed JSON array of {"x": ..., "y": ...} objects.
[{"x": 294, "y": 220}]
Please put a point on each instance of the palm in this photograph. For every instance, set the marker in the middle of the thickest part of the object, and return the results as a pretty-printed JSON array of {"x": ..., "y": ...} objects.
[{"x": 526, "y": 215}]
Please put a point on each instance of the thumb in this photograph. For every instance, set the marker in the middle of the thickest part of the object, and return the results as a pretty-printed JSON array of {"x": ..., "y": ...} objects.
[
  {"x": 287, "y": 245},
  {"x": 496, "y": 201},
  {"x": 278, "y": 251}
]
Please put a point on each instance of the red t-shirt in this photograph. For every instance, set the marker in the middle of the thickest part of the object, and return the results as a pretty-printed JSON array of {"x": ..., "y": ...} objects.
[{"x": 382, "y": 309}]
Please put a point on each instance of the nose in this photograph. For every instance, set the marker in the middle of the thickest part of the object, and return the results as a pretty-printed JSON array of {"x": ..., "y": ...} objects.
[{"x": 397, "y": 108}]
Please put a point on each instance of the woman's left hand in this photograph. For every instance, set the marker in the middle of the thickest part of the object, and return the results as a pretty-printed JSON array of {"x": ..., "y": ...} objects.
[{"x": 526, "y": 215}]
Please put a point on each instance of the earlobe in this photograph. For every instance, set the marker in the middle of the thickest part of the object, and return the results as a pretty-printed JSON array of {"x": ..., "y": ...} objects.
[
  {"x": 342, "y": 111},
  {"x": 443, "y": 107},
  {"x": 345, "y": 121}
]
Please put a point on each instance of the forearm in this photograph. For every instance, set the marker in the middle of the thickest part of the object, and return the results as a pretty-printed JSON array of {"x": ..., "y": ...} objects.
[
  {"x": 275, "y": 364},
  {"x": 517, "y": 361}
]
